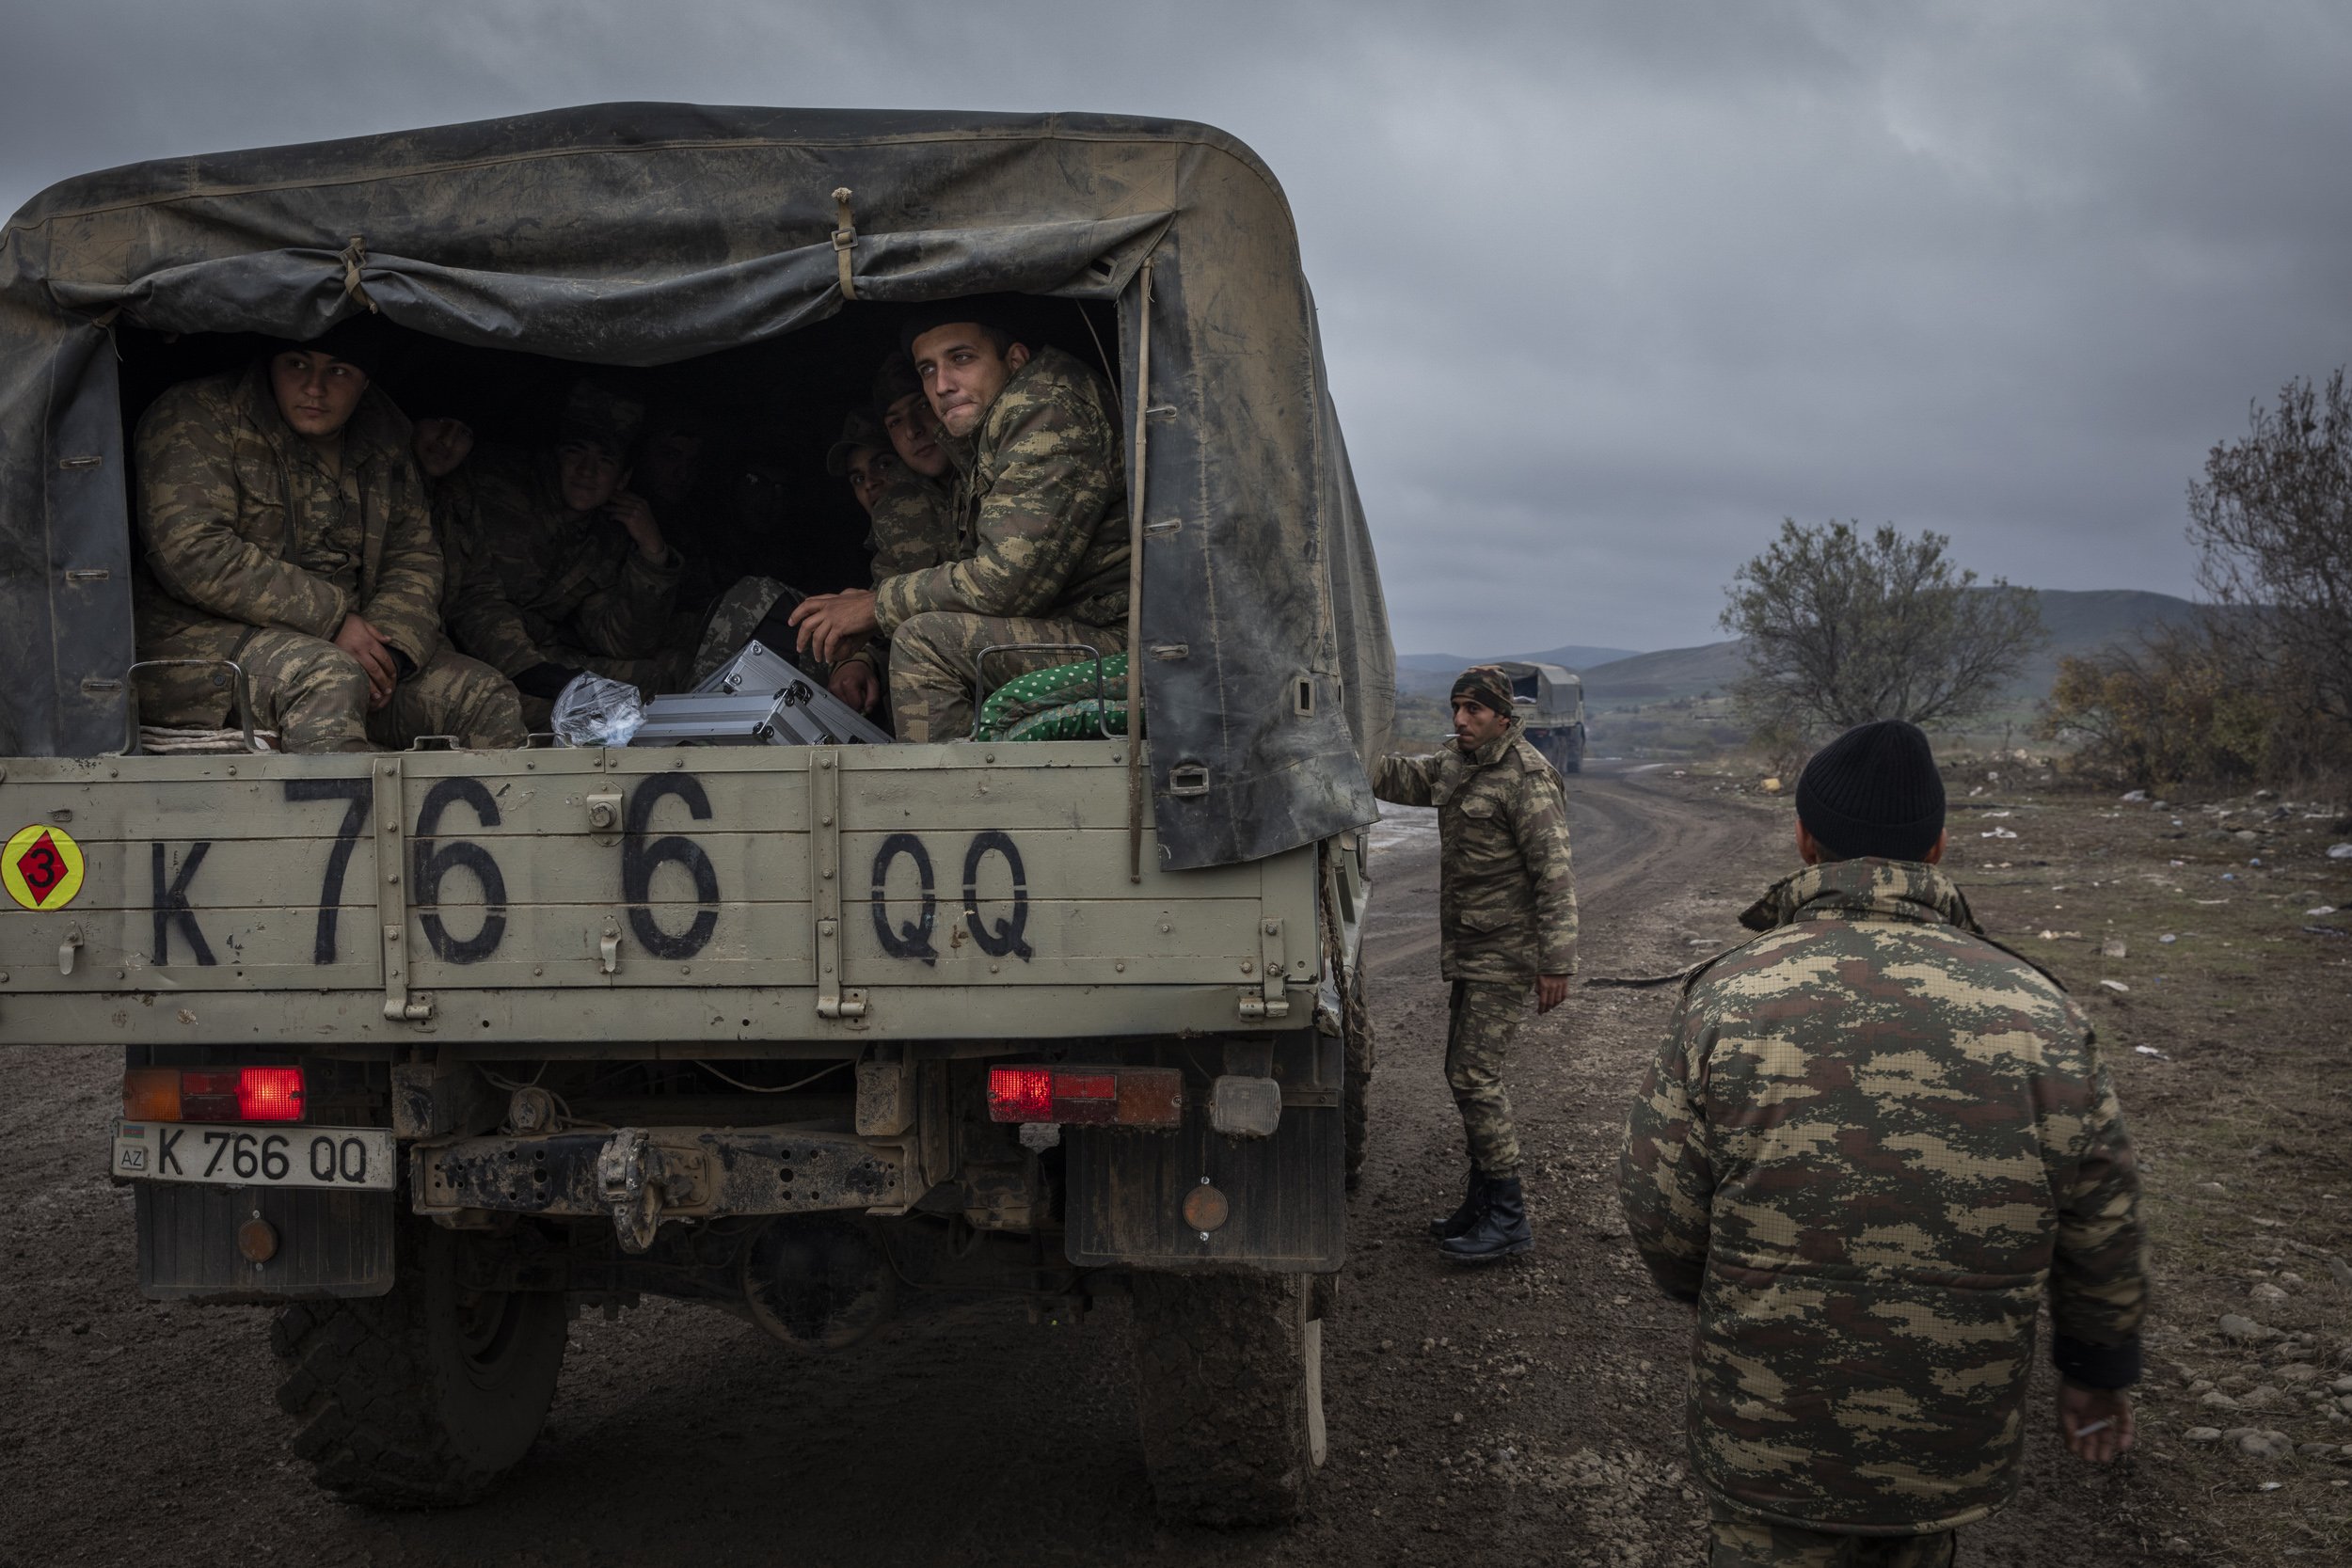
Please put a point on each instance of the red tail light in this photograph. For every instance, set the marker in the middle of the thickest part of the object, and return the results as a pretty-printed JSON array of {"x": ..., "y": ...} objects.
[
  {"x": 213, "y": 1093},
  {"x": 269, "y": 1094},
  {"x": 1096, "y": 1096}
]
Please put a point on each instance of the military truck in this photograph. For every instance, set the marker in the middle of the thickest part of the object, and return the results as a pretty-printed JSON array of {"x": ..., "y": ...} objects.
[
  {"x": 434, "y": 1048},
  {"x": 1552, "y": 700}
]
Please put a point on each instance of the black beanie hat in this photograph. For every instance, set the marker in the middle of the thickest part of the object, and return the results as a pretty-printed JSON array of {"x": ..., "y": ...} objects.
[
  {"x": 996, "y": 312},
  {"x": 365, "y": 339},
  {"x": 1874, "y": 791}
]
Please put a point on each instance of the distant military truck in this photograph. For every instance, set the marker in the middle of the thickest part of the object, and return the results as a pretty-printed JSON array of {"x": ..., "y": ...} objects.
[
  {"x": 428, "y": 1048},
  {"x": 1552, "y": 700}
]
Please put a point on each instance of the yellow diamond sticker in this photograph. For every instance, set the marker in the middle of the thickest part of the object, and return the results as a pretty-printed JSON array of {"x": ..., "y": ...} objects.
[{"x": 41, "y": 867}]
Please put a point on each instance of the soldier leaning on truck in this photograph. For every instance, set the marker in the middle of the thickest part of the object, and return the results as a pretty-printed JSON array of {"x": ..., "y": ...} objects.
[
  {"x": 1871, "y": 1141},
  {"x": 286, "y": 527},
  {"x": 1040, "y": 518},
  {"x": 1506, "y": 909}
]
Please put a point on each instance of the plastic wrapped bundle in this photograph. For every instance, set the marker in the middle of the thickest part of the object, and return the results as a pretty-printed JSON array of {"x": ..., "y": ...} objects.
[{"x": 597, "y": 710}]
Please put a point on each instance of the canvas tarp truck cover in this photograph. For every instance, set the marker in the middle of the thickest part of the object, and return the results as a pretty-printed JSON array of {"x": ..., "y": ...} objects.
[{"x": 643, "y": 234}]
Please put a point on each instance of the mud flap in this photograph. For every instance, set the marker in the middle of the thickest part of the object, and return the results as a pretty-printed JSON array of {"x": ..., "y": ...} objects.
[
  {"x": 329, "y": 1243},
  {"x": 1278, "y": 1203}
]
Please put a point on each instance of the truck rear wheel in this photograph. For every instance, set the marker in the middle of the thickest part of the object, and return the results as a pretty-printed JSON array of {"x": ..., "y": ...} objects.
[
  {"x": 422, "y": 1398},
  {"x": 1229, "y": 1375}
]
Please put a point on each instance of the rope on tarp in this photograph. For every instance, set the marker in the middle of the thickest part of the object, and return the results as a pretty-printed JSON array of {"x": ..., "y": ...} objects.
[
  {"x": 356, "y": 257},
  {"x": 844, "y": 241}
]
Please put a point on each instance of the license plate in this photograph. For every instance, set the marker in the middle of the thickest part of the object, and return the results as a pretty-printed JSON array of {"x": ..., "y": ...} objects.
[{"x": 354, "y": 1158}]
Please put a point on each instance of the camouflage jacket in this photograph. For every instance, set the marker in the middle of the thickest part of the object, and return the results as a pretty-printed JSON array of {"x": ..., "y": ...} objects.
[
  {"x": 565, "y": 587},
  {"x": 1871, "y": 1141},
  {"x": 244, "y": 526},
  {"x": 1507, "y": 894},
  {"x": 914, "y": 525},
  {"x": 473, "y": 601},
  {"x": 1039, "y": 512}
]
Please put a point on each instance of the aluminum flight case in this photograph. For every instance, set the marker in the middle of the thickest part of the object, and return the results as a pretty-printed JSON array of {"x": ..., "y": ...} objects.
[{"x": 758, "y": 698}]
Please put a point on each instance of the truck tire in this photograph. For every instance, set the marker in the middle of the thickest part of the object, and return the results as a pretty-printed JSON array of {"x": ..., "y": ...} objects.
[
  {"x": 1229, "y": 1376},
  {"x": 1358, "y": 1059},
  {"x": 422, "y": 1398}
]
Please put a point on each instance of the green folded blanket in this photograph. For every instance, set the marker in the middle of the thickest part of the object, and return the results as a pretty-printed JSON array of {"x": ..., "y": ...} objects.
[{"x": 1058, "y": 703}]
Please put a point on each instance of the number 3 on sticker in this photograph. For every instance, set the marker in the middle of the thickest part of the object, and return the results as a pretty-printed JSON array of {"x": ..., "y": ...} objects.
[{"x": 41, "y": 867}]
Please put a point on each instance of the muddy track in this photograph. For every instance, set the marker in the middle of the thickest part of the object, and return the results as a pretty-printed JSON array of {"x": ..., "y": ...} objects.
[{"x": 1526, "y": 1414}]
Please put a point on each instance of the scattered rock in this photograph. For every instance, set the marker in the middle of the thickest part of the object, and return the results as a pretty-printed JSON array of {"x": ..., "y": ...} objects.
[
  {"x": 2202, "y": 1435},
  {"x": 2267, "y": 1398},
  {"x": 2290, "y": 1278},
  {"x": 2341, "y": 1386},
  {"x": 2300, "y": 1371},
  {"x": 2245, "y": 1330},
  {"x": 2340, "y": 851},
  {"x": 2264, "y": 1291},
  {"x": 2134, "y": 797},
  {"x": 2114, "y": 947},
  {"x": 2258, "y": 1443},
  {"x": 2314, "y": 1450}
]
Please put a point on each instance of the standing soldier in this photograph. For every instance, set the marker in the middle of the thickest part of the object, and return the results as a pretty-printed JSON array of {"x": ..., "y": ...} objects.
[
  {"x": 1872, "y": 1141},
  {"x": 1507, "y": 909},
  {"x": 287, "y": 528}
]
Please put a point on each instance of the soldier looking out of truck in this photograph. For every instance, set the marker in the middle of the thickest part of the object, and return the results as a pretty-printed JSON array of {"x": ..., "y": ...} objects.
[
  {"x": 1038, "y": 515},
  {"x": 587, "y": 577},
  {"x": 287, "y": 528},
  {"x": 909, "y": 500},
  {"x": 1506, "y": 909}
]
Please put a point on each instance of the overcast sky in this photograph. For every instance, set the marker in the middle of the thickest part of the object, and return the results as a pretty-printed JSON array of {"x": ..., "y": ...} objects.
[{"x": 1608, "y": 288}]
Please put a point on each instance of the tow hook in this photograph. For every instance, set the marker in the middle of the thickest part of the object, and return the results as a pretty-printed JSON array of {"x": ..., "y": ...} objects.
[{"x": 636, "y": 1177}]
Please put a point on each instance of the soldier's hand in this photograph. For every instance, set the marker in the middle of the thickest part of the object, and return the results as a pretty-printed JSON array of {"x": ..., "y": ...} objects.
[
  {"x": 855, "y": 684},
  {"x": 1550, "y": 990},
  {"x": 830, "y": 624},
  {"x": 2095, "y": 1422},
  {"x": 634, "y": 512},
  {"x": 364, "y": 643}
]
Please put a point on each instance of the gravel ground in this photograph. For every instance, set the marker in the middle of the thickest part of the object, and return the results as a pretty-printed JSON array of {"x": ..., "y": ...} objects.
[{"x": 1526, "y": 1414}]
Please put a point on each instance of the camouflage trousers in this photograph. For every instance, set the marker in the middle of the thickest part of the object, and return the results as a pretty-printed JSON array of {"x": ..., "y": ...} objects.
[
  {"x": 1480, "y": 1024},
  {"x": 315, "y": 696},
  {"x": 935, "y": 663},
  {"x": 1741, "y": 1540}
]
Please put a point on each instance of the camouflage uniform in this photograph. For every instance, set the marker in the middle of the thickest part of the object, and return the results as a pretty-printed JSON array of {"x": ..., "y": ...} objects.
[
  {"x": 1870, "y": 1142},
  {"x": 575, "y": 593},
  {"x": 1040, "y": 551},
  {"x": 1506, "y": 909},
  {"x": 255, "y": 552}
]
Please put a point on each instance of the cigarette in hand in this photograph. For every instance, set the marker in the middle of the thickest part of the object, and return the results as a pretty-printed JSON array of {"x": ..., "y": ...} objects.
[{"x": 2095, "y": 1426}]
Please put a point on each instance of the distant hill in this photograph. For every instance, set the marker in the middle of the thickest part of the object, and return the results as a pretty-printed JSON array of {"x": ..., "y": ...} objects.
[
  {"x": 2079, "y": 622},
  {"x": 1432, "y": 675}
]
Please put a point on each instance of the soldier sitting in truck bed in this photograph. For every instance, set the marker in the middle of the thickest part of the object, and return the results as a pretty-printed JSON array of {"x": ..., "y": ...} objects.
[
  {"x": 286, "y": 527},
  {"x": 910, "y": 500},
  {"x": 587, "y": 580},
  {"x": 1041, "y": 539}
]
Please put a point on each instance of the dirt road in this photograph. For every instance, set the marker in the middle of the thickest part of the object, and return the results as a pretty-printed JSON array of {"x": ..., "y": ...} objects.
[{"x": 1528, "y": 1413}]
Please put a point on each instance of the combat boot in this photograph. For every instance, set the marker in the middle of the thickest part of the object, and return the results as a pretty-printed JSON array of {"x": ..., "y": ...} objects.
[
  {"x": 1501, "y": 1230},
  {"x": 1473, "y": 1205}
]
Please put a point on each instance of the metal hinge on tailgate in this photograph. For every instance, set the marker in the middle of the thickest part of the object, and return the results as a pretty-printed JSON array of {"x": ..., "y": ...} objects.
[
  {"x": 391, "y": 897},
  {"x": 833, "y": 999},
  {"x": 1272, "y": 961}
]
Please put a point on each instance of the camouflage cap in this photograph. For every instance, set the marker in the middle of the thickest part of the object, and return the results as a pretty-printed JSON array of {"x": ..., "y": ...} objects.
[
  {"x": 894, "y": 380},
  {"x": 1487, "y": 684},
  {"x": 861, "y": 429},
  {"x": 601, "y": 415}
]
